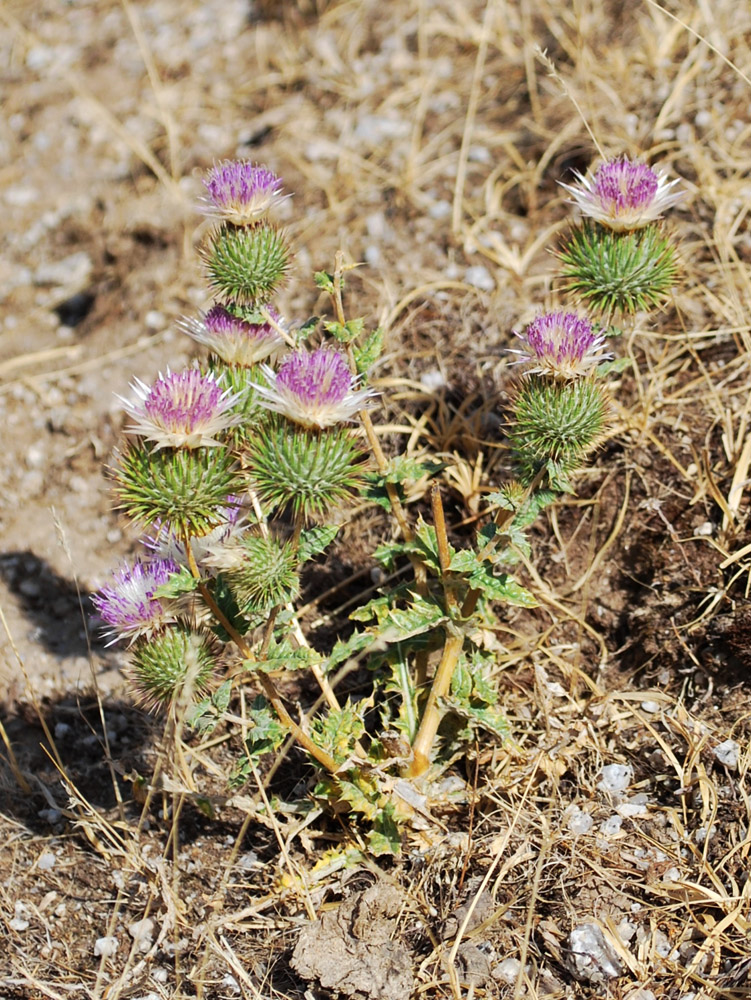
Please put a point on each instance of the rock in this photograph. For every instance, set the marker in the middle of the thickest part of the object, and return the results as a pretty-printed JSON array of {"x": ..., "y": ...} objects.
[
  {"x": 727, "y": 753},
  {"x": 351, "y": 950},
  {"x": 105, "y": 947},
  {"x": 591, "y": 958},
  {"x": 615, "y": 778}
]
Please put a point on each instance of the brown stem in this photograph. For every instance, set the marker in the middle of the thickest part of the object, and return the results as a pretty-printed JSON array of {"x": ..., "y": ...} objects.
[{"x": 432, "y": 714}]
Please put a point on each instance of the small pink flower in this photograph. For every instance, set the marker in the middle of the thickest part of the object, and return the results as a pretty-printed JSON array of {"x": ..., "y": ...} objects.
[
  {"x": 240, "y": 192},
  {"x": 562, "y": 345},
  {"x": 182, "y": 409},
  {"x": 234, "y": 340},
  {"x": 624, "y": 194},
  {"x": 315, "y": 389}
]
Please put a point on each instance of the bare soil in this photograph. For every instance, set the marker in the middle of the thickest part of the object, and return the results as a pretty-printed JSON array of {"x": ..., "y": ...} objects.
[{"x": 427, "y": 138}]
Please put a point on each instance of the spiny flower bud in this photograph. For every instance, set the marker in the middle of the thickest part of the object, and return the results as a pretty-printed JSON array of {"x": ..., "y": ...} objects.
[
  {"x": 240, "y": 192},
  {"x": 182, "y": 409},
  {"x": 167, "y": 545},
  {"x": 314, "y": 389},
  {"x": 234, "y": 340},
  {"x": 309, "y": 471},
  {"x": 264, "y": 573},
  {"x": 175, "y": 665},
  {"x": 624, "y": 194},
  {"x": 561, "y": 345},
  {"x": 627, "y": 272},
  {"x": 128, "y": 605},
  {"x": 185, "y": 490},
  {"x": 556, "y": 422},
  {"x": 245, "y": 264}
]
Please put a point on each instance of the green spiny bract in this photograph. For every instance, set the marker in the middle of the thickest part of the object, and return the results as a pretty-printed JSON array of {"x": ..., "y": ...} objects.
[
  {"x": 627, "y": 272},
  {"x": 174, "y": 665},
  {"x": 557, "y": 423},
  {"x": 310, "y": 471},
  {"x": 185, "y": 491},
  {"x": 266, "y": 574},
  {"x": 246, "y": 263},
  {"x": 240, "y": 379}
]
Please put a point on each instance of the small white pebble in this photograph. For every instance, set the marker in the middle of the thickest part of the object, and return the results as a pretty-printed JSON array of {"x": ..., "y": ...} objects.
[
  {"x": 507, "y": 970},
  {"x": 480, "y": 277},
  {"x": 155, "y": 320},
  {"x": 611, "y": 826},
  {"x": 18, "y": 924},
  {"x": 727, "y": 753},
  {"x": 579, "y": 822},
  {"x": 62, "y": 729},
  {"x": 46, "y": 861},
  {"x": 432, "y": 380},
  {"x": 142, "y": 932},
  {"x": 671, "y": 875},
  {"x": 705, "y": 529},
  {"x": 615, "y": 777},
  {"x": 160, "y": 975},
  {"x": 105, "y": 947},
  {"x": 650, "y": 706}
]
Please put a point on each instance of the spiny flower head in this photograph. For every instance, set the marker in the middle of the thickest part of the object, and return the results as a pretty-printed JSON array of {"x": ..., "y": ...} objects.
[
  {"x": 315, "y": 389},
  {"x": 624, "y": 194},
  {"x": 236, "y": 341},
  {"x": 240, "y": 192},
  {"x": 182, "y": 409},
  {"x": 167, "y": 543},
  {"x": 128, "y": 605},
  {"x": 562, "y": 345},
  {"x": 174, "y": 666}
]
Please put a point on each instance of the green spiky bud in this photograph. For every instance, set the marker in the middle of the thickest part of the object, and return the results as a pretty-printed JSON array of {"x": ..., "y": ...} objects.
[
  {"x": 266, "y": 573},
  {"x": 241, "y": 381},
  {"x": 174, "y": 665},
  {"x": 556, "y": 424},
  {"x": 246, "y": 263},
  {"x": 625, "y": 272},
  {"x": 185, "y": 491},
  {"x": 307, "y": 470}
]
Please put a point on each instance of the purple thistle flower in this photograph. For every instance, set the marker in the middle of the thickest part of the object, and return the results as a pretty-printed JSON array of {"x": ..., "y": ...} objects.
[
  {"x": 624, "y": 194},
  {"x": 315, "y": 389},
  {"x": 182, "y": 409},
  {"x": 234, "y": 340},
  {"x": 128, "y": 604},
  {"x": 562, "y": 345},
  {"x": 240, "y": 192},
  {"x": 167, "y": 545}
]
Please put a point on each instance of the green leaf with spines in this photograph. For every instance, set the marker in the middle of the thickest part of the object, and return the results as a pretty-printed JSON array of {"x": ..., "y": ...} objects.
[
  {"x": 499, "y": 587},
  {"x": 401, "y": 468},
  {"x": 338, "y": 730},
  {"x": 324, "y": 281},
  {"x": 282, "y": 655},
  {"x": 246, "y": 263},
  {"x": 224, "y": 596},
  {"x": 308, "y": 328},
  {"x": 347, "y": 649},
  {"x": 385, "y": 838},
  {"x": 628, "y": 272},
  {"x": 182, "y": 582},
  {"x": 265, "y": 733},
  {"x": 367, "y": 353},
  {"x": 345, "y": 333},
  {"x": 315, "y": 540},
  {"x": 207, "y": 713},
  {"x": 182, "y": 490}
]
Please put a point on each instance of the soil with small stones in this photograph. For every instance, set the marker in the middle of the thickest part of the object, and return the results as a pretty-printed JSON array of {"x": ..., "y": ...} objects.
[{"x": 129, "y": 869}]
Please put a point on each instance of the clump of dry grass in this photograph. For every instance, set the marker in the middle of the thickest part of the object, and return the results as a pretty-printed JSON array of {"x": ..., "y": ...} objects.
[{"x": 429, "y": 138}]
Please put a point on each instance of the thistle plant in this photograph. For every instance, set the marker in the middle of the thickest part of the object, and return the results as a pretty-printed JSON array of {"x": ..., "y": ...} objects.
[
  {"x": 240, "y": 469},
  {"x": 621, "y": 260}
]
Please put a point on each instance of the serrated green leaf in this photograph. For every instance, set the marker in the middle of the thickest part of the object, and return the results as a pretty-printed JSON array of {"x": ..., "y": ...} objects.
[
  {"x": 338, "y": 730},
  {"x": 225, "y": 599},
  {"x": 610, "y": 367},
  {"x": 221, "y": 697},
  {"x": 179, "y": 583},
  {"x": 385, "y": 838},
  {"x": 486, "y": 718},
  {"x": 421, "y": 616},
  {"x": 369, "y": 352},
  {"x": 315, "y": 540},
  {"x": 501, "y": 587},
  {"x": 306, "y": 330},
  {"x": 324, "y": 281},
  {"x": 358, "y": 801},
  {"x": 345, "y": 649}
]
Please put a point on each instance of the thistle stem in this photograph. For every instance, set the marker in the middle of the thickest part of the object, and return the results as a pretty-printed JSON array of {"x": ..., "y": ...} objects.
[{"x": 269, "y": 688}]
